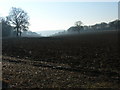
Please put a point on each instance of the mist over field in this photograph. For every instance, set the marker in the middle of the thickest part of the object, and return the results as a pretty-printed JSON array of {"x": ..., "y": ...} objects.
[
  {"x": 81, "y": 56},
  {"x": 67, "y": 60},
  {"x": 59, "y": 45},
  {"x": 48, "y": 32}
]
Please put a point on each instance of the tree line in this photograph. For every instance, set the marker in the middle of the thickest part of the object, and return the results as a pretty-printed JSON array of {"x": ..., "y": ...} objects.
[
  {"x": 18, "y": 21},
  {"x": 114, "y": 25}
]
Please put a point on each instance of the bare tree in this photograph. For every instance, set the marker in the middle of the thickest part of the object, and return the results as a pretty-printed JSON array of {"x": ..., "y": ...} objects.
[
  {"x": 78, "y": 23},
  {"x": 18, "y": 18}
]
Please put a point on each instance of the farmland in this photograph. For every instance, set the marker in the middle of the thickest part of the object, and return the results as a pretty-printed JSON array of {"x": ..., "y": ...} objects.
[{"x": 80, "y": 61}]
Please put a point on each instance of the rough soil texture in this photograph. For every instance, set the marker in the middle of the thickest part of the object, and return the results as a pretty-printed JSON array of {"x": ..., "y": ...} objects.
[{"x": 77, "y": 61}]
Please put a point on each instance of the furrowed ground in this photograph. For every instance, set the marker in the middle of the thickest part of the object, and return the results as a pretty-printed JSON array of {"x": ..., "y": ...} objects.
[{"x": 81, "y": 60}]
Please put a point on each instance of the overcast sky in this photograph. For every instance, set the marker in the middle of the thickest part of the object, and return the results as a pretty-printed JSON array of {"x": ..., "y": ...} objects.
[{"x": 56, "y": 15}]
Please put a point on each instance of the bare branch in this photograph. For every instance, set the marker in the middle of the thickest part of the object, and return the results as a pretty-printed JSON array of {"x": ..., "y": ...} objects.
[{"x": 19, "y": 19}]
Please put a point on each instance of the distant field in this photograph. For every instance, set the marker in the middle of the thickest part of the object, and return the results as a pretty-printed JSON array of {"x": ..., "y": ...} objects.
[{"x": 80, "y": 60}]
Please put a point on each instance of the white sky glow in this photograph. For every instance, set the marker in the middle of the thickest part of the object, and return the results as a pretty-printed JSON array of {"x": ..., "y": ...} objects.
[{"x": 62, "y": 14}]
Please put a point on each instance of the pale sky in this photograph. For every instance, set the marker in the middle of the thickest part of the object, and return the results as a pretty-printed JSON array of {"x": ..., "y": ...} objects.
[{"x": 56, "y": 15}]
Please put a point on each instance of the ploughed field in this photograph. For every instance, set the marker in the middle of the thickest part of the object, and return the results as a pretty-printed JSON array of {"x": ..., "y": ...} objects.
[{"x": 82, "y": 60}]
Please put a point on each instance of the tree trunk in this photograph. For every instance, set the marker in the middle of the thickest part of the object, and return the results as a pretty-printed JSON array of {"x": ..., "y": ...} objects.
[
  {"x": 17, "y": 31},
  {"x": 20, "y": 33}
]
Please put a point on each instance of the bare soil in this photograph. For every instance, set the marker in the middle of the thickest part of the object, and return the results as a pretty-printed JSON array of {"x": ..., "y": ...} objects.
[{"x": 78, "y": 61}]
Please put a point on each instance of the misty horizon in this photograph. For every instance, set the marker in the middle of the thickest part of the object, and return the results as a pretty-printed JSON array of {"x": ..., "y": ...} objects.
[
  {"x": 62, "y": 15},
  {"x": 49, "y": 32},
  {"x": 59, "y": 44}
]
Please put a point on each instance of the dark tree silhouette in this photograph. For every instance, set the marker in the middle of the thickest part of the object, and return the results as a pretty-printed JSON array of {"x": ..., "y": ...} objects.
[
  {"x": 78, "y": 25},
  {"x": 18, "y": 18},
  {"x": 6, "y": 29},
  {"x": 103, "y": 25},
  {"x": 114, "y": 25}
]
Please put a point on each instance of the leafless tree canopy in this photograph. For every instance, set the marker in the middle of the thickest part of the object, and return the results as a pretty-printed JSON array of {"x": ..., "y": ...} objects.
[
  {"x": 78, "y": 23},
  {"x": 18, "y": 18}
]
